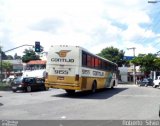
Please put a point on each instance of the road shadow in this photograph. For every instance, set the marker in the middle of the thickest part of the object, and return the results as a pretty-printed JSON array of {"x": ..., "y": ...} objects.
[
  {"x": 1, "y": 104},
  {"x": 34, "y": 91},
  {"x": 99, "y": 94}
]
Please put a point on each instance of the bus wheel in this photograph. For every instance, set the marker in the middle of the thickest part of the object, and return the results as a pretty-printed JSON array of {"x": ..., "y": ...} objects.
[
  {"x": 70, "y": 92},
  {"x": 113, "y": 85},
  {"x": 46, "y": 88},
  {"x": 94, "y": 86}
]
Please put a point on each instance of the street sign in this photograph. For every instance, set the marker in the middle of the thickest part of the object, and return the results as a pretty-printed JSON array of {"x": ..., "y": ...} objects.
[{"x": 128, "y": 57}]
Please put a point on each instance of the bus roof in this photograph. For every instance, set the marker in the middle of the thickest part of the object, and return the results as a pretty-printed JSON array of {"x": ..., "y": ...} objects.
[{"x": 81, "y": 48}]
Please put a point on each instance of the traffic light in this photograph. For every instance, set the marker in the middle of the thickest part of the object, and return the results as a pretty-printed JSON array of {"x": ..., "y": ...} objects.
[{"x": 37, "y": 47}]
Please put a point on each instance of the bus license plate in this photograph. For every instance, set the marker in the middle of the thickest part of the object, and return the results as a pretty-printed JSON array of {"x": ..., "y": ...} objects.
[{"x": 60, "y": 78}]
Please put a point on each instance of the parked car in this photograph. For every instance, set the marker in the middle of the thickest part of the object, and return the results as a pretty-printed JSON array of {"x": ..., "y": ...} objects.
[
  {"x": 146, "y": 82},
  {"x": 28, "y": 84},
  {"x": 9, "y": 79},
  {"x": 156, "y": 82}
]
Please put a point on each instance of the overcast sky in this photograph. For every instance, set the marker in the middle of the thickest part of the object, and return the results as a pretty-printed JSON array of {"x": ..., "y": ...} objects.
[{"x": 92, "y": 24}]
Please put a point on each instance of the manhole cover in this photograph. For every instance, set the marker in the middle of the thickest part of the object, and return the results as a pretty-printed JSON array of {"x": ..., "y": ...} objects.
[{"x": 1, "y": 104}]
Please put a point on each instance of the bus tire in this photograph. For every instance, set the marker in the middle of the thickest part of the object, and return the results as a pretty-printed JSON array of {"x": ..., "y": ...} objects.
[
  {"x": 70, "y": 91},
  {"x": 113, "y": 85},
  {"x": 94, "y": 87}
]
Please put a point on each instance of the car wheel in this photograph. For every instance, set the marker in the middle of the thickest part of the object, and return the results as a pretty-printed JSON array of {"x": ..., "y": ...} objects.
[
  {"x": 14, "y": 90},
  {"x": 29, "y": 89},
  {"x": 46, "y": 88}
]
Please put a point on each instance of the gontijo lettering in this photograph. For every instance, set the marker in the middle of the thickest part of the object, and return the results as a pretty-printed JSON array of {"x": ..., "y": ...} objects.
[{"x": 62, "y": 60}]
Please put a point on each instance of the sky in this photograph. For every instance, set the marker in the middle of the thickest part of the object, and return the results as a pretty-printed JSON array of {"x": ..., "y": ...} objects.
[{"x": 91, "y": 24}]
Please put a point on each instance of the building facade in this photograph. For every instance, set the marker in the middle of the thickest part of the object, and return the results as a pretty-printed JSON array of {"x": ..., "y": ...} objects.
[{"x": 127, "y": 73}]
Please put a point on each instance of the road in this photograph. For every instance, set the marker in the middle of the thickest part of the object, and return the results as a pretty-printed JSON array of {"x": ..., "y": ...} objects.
[{"x": 123, "y": 102}]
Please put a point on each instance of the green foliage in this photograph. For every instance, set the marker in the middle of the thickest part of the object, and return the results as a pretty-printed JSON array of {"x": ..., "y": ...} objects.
[
  {"x": 157, "y": 64},
  {"x": 7, "y": 66},
  {"x": 17, "y": 57},
  {"x": 113, "y": 54},
  {"x": 6, "y": 57},
  {"x": 9, "y": 57},
  {"x": 4, "y": 87},
  {"x": 147, "y": 62},
  {"x": 29, "y": 54}
]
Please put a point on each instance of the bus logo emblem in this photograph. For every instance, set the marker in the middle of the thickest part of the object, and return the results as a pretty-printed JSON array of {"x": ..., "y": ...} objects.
[{"x": 63, "y": 53}]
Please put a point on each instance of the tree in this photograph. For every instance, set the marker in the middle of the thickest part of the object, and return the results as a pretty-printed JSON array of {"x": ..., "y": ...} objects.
[
  {"x": 9, "y": 57},
  {"x": 7, "y": 66},
  {"x": 113, "y": 54},
  {"x": 147, "y": 62},
  {"x": 4, "y": 56},
  {"x": 29, "y": 54},
  {"x": 17, "y": 57},
  {"x": 157, "y": 64}
]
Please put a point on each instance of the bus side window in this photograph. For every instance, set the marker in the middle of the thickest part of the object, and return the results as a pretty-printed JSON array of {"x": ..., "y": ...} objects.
[
  {"x": 104, "y": 65},
  {"x": 96, "y": 62},
  {"x": 99, "y": 64},
  {"x": 84, "y": 59},
  {"x": 92, "y": 62},
  {"x": 89, "y": 61}
]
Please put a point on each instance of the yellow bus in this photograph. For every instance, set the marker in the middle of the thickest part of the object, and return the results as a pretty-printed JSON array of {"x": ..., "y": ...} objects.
[{"x": 74, "y": 68}]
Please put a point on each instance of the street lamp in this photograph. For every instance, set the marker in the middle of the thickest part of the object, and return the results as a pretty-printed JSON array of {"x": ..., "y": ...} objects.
[{"x": 134, "y": 69}]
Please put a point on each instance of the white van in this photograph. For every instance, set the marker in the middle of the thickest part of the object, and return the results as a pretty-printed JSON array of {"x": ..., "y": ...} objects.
[{"x": 9, "y": 79}]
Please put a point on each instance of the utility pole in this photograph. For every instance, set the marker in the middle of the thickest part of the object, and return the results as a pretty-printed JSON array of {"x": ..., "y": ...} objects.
[
  {"x": 1, "y": 61},
  {"x": 134, "y": 69},
  {"x": 1, "y": 64}
]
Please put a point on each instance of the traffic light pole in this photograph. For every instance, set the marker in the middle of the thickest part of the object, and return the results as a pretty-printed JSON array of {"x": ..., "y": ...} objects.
[
  {"x": 17, "y": 48},
  {"x": 8, "y": 51}
]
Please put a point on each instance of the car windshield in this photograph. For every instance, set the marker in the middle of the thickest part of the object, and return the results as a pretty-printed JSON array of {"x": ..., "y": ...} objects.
[
  {"x": 18, "y": 80},
  {"x": 28, "y": 80}
]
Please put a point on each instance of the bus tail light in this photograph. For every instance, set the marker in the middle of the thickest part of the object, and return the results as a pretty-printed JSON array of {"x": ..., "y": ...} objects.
[{"x": 77, "y": 77}]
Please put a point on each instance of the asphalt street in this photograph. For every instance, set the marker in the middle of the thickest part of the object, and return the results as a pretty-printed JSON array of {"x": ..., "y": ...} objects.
[{"x": 123, "y": 102}]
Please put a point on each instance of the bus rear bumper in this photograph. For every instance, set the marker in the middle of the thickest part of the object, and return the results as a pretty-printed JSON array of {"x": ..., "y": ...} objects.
[{"x": 63, "y": 86}]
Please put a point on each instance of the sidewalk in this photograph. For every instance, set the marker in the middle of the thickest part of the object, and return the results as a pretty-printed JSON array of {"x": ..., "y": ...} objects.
[
  {"x": 130, "y": 83},
  {"x": 127, "y": 84}
]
